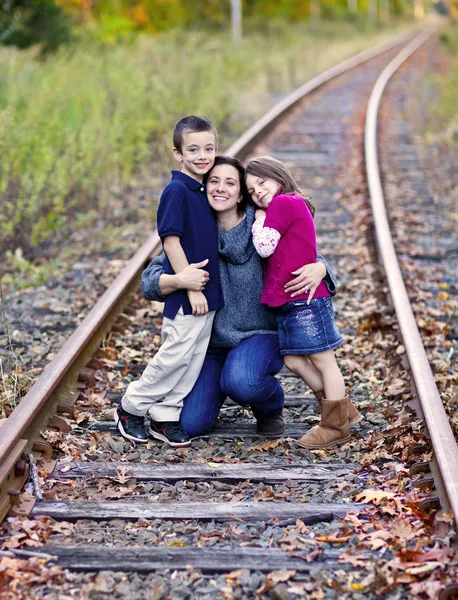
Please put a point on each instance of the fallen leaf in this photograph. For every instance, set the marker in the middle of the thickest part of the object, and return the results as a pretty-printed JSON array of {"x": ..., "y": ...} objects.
[
  {"x": 374, "y": 496},
  {"x": 272, "y": 579},
  {"x": 177, "y": 544},
  {"x": 266, "y": 445},
  {"x": 430, "y": 566},
  {"x": 233, "y": 575},
  {"x": 333, "y": 539}
]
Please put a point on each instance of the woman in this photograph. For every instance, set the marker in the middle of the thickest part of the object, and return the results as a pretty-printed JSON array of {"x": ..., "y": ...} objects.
[{"x": 243, "y": 357}]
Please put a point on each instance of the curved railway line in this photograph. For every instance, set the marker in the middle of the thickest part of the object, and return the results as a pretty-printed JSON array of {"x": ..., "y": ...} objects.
[{"x": 267, "y": 484}]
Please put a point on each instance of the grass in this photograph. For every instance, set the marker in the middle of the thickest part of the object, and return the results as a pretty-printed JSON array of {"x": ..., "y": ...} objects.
[
  {"x": 83, "y": 124},
  {"x": 446, "y": 107}
]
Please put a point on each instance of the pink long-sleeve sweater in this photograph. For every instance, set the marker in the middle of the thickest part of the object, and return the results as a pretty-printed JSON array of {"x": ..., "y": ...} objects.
[{"x": 289, "y": 215}]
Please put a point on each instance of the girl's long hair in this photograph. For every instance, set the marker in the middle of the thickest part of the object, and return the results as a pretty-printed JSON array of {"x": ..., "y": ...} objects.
[
  {"x": 268, "y": 167},
  {"x": 237, "y": 164}
]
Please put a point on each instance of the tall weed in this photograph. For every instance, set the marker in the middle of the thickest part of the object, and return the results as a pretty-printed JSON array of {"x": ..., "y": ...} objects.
[{"x": 79, "y": 125}]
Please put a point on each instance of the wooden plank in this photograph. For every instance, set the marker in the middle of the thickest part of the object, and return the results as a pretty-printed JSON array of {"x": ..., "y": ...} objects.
[
  {"x": 209, "y": 560},
  {"x": 203, "y": 511},
  {"x": 226, "y": 430},
  {"x": 231, "y": 472}
]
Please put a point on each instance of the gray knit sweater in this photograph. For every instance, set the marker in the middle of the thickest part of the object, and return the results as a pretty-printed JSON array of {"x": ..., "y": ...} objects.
[{"x": 241, "y": 276}]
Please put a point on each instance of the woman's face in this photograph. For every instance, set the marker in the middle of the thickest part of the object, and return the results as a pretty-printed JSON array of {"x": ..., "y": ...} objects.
[{"x": 223, "y": 188}]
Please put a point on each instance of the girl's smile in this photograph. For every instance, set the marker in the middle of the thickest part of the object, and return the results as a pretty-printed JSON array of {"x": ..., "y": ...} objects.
[{"x": 262, "y": 191}]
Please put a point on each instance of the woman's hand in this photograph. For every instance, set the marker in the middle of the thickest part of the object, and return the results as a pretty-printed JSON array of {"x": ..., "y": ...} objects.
[
  {"x": 260, "y": 214},
  {"x": 193, "y": 277},
  {"x": 307, "y": 279}
]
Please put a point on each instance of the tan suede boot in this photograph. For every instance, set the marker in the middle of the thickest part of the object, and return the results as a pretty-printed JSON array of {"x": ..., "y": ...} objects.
[
  {"x": 354, "y": 416},
  {"x": 334, "y": 427}
]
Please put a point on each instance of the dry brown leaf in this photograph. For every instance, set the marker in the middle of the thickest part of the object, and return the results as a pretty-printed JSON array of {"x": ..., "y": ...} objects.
[
  {"x": 333, "y": 539},
  {"x": 374, "y": 496},
  {"x": 123, "y": 474},
  {"x": 266, "y": 445},
  {"x": 356, "y": 560},
  {"x": 272, "y": 579},
  {"x": 234, "y": 574}
]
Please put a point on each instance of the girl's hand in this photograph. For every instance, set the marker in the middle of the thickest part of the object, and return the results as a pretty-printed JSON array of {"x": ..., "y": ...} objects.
[
  {"x": 260, "y": 214},
  {"x": 308, "y": 278}
]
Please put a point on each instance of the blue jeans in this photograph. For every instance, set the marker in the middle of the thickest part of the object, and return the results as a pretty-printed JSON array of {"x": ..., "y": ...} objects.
[{"x": 245, "y": 373}]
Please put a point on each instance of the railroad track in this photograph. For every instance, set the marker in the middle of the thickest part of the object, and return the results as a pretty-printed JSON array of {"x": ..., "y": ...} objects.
[{"x": 105, "y": 494}]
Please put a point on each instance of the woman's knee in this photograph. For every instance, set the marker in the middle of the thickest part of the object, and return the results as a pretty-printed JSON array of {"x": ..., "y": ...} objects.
[
  {"x": 195, "y": 427},
  {"x": 250, "y": 390}
]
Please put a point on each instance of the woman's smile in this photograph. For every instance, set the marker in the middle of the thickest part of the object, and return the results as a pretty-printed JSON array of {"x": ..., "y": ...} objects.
[{"x": 223, "y": 188}]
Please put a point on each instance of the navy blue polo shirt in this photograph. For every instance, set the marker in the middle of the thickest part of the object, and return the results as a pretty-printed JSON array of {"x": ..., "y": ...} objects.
[{"x": 184, "y": 211}]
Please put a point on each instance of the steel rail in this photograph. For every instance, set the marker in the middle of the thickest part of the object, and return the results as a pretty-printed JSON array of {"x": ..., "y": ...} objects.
[
  {"x": 31, "y": 415},
  {"x": 440, "y": 431},
  {"x": 240, "y": 147},
  {"x": 93, "y": 326}
]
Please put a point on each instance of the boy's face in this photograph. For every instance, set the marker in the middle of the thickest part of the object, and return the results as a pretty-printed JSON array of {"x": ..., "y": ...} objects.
[{"x": 198, "y": 153}]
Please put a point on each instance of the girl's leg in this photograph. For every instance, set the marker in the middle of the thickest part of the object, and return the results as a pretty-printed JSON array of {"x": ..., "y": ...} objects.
[
  {"x": 334, "y": 427},
  {"x": 299, "y": 364},
  {"x": 248, "y": 375},
  {"x": 202, "y": 405},
  {"x": 333, "y": 381}
]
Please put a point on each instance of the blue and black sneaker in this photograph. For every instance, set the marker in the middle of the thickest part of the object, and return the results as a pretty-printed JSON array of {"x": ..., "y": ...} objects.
[
  {"x": 132, "y": 427},
  {"x": 169, "y": 432}
]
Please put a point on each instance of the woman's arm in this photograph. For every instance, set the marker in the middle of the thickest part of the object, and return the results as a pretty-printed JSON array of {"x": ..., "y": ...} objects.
[
  {"x": 156, "y": 284},
  {"x": 310, "y": 276},
  {"x": 330, "y": 279}
]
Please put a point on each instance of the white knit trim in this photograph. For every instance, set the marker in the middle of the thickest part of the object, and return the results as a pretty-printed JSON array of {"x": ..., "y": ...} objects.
[{"x": 265, "y": 239}]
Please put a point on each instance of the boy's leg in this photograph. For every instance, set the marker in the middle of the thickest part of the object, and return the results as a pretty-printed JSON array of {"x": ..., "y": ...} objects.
[
  {"x": 195, "y": 336},
  {"x": 170, "y": 364},
  {"x": 202, "y": 405}
]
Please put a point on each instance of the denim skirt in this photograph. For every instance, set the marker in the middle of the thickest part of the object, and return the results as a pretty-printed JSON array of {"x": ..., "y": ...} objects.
[{"x": 307, "y": 329}]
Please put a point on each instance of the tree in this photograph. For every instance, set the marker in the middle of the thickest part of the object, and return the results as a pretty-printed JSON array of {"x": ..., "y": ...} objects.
[{"x": 24, "y": 23}]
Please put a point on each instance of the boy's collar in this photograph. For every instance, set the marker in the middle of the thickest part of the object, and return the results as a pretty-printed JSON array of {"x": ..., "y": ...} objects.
[{"x": 192, "y": 183}]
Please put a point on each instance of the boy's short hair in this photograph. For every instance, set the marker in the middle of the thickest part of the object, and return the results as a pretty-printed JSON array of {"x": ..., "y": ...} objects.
[{"x": 194, "y": 125}]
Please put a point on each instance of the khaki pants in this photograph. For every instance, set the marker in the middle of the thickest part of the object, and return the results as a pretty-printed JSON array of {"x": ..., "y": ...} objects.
[{"x": 173, "y": 371}]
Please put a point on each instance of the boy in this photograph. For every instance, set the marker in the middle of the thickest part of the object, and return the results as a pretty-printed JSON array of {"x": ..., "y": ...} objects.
[{"x": 188, "y": 231}]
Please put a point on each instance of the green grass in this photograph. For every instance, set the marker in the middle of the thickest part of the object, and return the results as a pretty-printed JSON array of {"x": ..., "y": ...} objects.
[
  {"x": 81, "y": 125},
  {"x": 446, "y": 107}
]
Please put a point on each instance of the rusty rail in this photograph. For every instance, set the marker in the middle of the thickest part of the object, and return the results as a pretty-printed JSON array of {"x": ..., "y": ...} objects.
[
  {"x": 440, "y": 431},
  {"x": 59, "y": 377}
]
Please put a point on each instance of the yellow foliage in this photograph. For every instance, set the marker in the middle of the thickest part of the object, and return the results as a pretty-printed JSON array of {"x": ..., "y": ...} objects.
[{"x": 139, "y": 16}]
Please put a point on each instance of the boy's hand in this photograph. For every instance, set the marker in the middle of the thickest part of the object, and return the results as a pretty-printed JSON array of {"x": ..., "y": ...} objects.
[
  {"x": 199, "y": 303},
  {"x": 193, "y": 277},
  {"x": 260, "y": 214}
]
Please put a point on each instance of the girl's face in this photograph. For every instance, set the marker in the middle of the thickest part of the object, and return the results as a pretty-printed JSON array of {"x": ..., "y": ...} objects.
[
  {"x": 262, "y": 191},
  {"x": 223, "y": 188}
]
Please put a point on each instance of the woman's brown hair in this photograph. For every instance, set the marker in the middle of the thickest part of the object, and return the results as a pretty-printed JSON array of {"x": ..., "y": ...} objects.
[{"x": 238, "y": 165}]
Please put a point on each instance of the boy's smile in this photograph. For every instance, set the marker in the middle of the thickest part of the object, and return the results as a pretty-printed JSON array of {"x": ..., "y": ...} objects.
[{"x": 198, "y": 153}]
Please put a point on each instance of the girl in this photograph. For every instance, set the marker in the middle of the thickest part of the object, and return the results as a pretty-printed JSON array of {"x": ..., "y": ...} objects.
[{"x": 285, "y": 233}]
